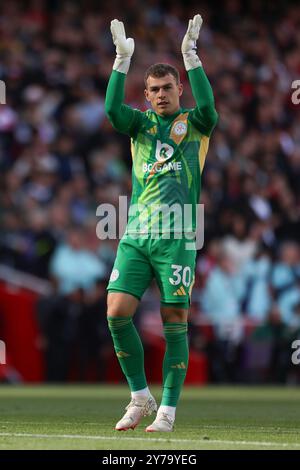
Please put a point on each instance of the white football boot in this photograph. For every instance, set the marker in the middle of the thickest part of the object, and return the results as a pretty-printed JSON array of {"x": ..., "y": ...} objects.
[
  {"x": 136, "y": 410},
  {"x": 162, "y": 423}
]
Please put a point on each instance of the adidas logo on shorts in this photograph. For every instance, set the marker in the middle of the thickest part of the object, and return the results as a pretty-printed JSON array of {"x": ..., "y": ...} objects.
[{"x": 180, "y": 291}]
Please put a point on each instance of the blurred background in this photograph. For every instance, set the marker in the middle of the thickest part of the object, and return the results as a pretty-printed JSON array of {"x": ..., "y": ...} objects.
[{"x": 60, "y": 158}]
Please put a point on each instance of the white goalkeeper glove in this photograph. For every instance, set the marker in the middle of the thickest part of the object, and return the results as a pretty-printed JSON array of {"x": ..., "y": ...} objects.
[
  {"x": 124, "y": 47},
  {"x": 188, "y": 47}
]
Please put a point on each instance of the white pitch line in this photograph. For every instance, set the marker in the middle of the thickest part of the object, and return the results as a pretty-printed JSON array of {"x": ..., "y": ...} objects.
[
  {"x": 224, "y": 427},
  {"x": 159, "y": 439}
]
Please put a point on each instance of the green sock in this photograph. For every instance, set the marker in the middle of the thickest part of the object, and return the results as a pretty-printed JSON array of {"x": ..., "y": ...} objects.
[
  {"x": 175, "y": 362},
  {"x": 129, "y": 350}
]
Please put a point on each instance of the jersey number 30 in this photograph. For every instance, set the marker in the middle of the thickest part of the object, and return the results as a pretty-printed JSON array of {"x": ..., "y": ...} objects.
[{"x": 180, "y": 273}]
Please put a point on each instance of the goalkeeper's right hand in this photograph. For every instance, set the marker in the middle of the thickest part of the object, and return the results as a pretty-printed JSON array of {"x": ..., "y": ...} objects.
[{"x": 124, "y": 47}]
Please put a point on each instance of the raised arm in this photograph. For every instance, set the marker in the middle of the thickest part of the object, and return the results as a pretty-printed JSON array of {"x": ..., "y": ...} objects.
[
  {"x": 204, "y": 116},
  {"x": 122, "y": 117}
]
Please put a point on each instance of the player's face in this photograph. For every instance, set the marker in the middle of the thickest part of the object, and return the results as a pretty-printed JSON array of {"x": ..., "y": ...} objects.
[{"x": 163, "y": 94}]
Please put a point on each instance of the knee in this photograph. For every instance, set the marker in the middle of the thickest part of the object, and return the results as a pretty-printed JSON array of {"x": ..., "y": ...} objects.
[
  {"x": 114, "y": 309},
  {"x": 174, "y": 315},
  {"x": 119, "y": 305}
]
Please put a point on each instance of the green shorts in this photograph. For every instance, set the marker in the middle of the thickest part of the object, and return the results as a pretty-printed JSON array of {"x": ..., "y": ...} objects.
[{"x": 139, "y": 260}]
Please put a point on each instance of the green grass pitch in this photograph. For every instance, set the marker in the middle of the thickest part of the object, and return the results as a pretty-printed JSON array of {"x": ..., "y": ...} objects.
[{"x": 83, "y": 417}]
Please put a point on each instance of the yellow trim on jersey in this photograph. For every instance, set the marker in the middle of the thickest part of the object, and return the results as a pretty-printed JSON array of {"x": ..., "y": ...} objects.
[
  {"x": 203, "y": 150},
  {"x": 132, "y": 148}
]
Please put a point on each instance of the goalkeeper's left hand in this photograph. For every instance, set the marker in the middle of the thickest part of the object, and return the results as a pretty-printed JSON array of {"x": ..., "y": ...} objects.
[{"x": 188, "y": 47}]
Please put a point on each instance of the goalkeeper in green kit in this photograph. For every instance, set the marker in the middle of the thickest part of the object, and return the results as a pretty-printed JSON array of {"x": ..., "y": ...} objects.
[{"x": 168, "y": 146}]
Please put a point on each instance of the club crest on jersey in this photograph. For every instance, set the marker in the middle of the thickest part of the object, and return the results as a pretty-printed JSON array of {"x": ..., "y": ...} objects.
[
  {"x": 114, "y": 275},
  {"x": 180, "y": 128}
]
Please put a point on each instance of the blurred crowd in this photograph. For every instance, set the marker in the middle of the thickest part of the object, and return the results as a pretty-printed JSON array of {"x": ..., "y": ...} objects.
[{"x": 60, "y": 159}]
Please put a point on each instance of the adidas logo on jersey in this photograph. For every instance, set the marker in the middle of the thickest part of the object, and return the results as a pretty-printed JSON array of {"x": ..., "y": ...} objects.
[{"x": 180, "y": 291}]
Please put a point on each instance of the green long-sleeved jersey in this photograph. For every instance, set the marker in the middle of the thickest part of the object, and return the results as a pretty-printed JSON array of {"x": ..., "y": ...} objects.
[{"x": 168, "y": 155}]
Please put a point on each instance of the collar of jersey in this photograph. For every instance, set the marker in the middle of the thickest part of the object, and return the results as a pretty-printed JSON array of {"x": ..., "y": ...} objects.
[{"x": 168, "y": 119}]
